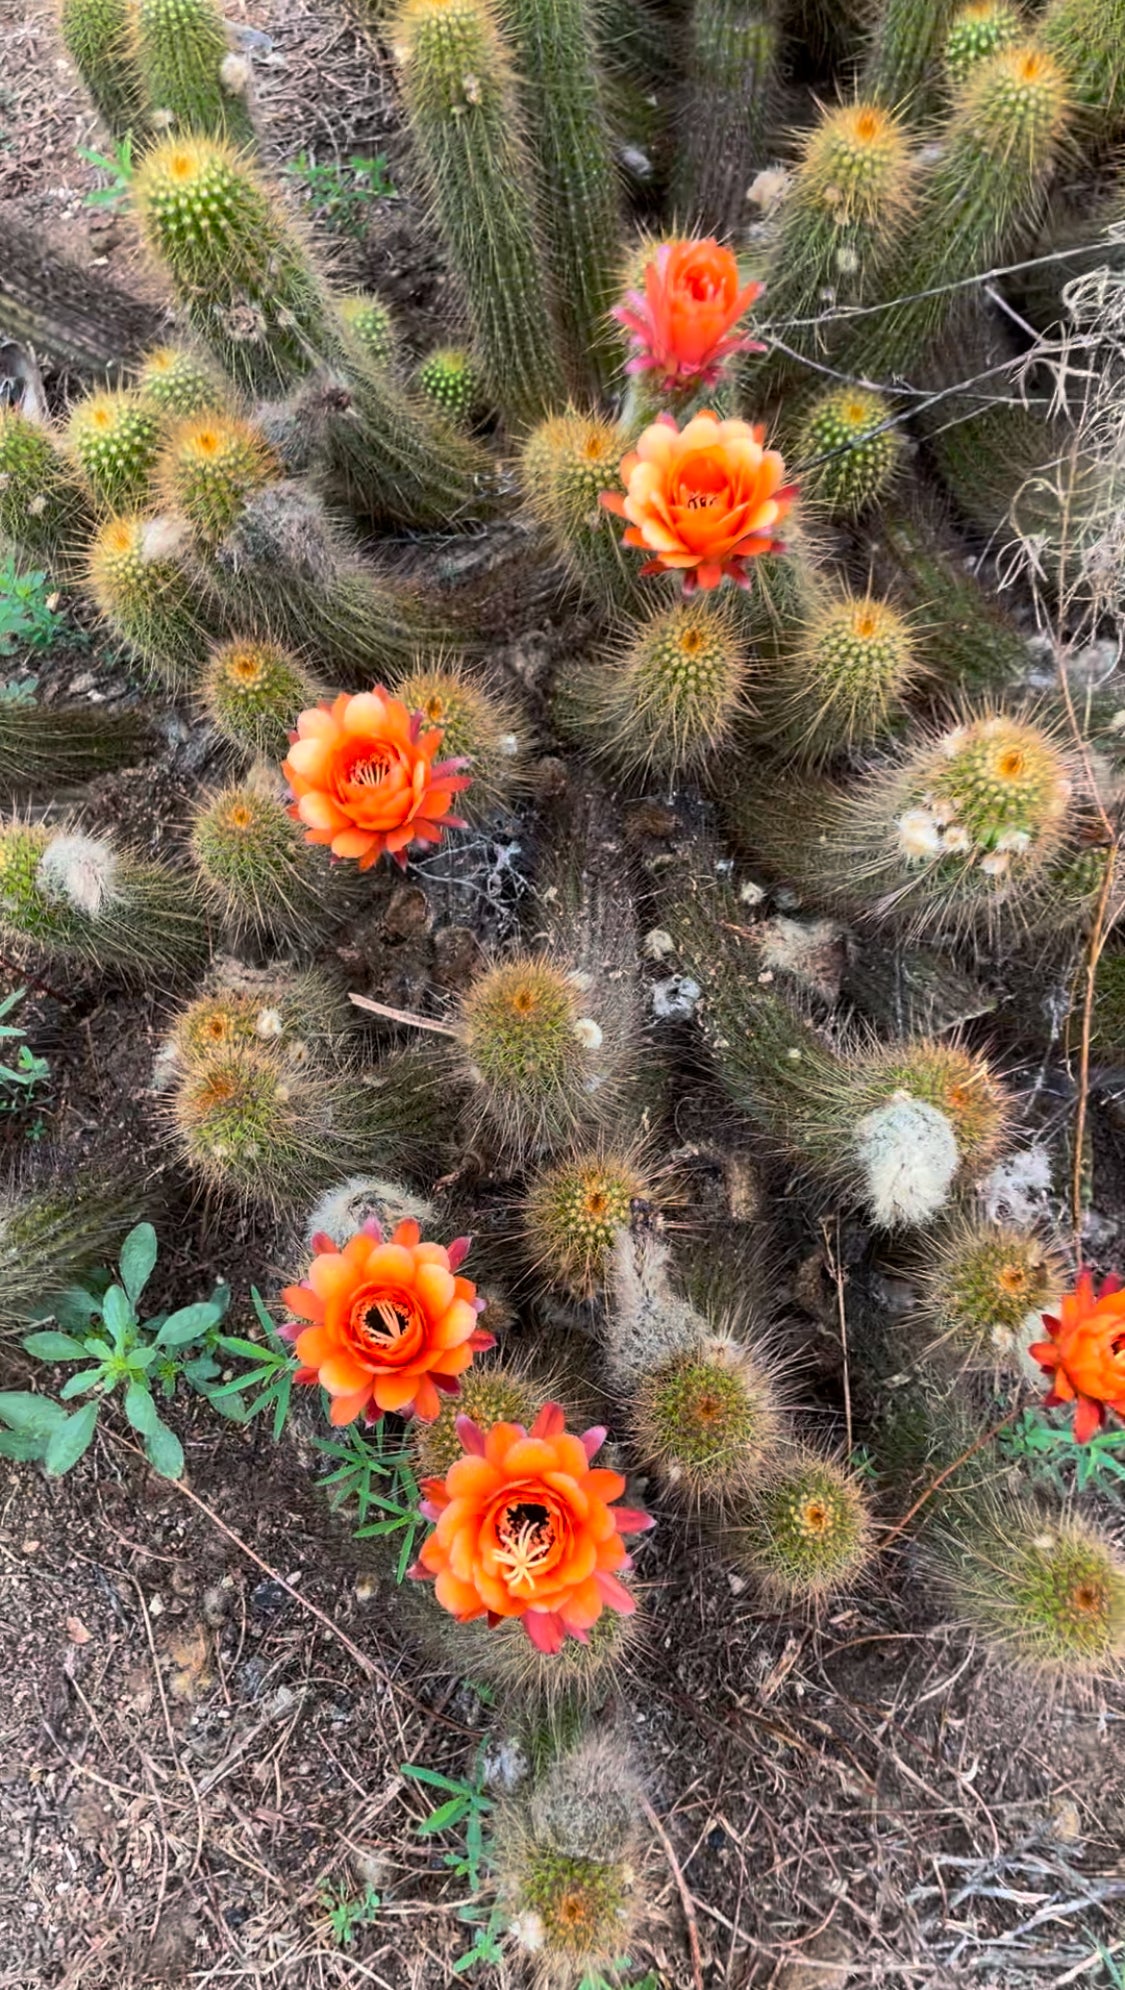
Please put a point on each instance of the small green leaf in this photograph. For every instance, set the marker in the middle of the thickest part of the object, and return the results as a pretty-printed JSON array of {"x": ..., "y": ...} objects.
[
  {"x": 74, "y": 1308},
  {"x": 164, "y": 1451},
  {"x": 138, "y": 1258},
  {"x": 21, "y": 1444},
  {"x": 68, "y": 1442},
  {"x": 440, "y": 1819},
  {"x": 117, "y": 1314},
  {"x": 78, "y": 1385},
  {"x": 201, "y": 1369},
  {"x": 188, "y": 1324},
  {"x": 54, "y": 1347},
  {"x": 35, "y": 1415},
  {"x": 140, "y": 1409}
]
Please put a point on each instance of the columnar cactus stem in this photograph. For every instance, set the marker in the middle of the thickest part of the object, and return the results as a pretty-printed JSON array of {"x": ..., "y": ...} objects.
[
  {"x": 554, "y": 45},
  {"x": 729, "y": 100},
  {"x": 462, "y": 106},
  {"x": 45, "y": 508},
  {"x": 192, "y": 81},
  {"x": 77, "y": 898},
  {"x": 1087, "y": 40},
  {"x": 907, "y": 43},
  {"x": 97, "y": 38}
]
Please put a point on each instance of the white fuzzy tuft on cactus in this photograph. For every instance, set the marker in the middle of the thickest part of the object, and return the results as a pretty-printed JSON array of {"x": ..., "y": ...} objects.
[
  {"x": 907, "y": 1151},
  {"x": 82, "y": 870}
]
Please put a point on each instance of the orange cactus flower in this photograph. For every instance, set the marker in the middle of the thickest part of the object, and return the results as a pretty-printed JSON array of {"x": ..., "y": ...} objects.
[
  {"x": 681, "y": 327},
  {"x": 527, "y": 1528},
  {"x": 703, "y": 499},
  {"x": 390, "y": 1323},
  {"x": 1085, "y": 1355},
  {"x": 365, "y": 780}
]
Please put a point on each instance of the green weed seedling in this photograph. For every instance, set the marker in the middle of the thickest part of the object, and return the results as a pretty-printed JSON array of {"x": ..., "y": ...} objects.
[
  {"x": 118, "y": 167},
  {"x": 99, "y": 1325},
  {"x": 464, "y": 1803},
  {"x": 342, "y": 196},
  {"x": 27, "y": 613},
  {"x": 271, "y": 1372},
  {"x": 360, "y": 1459},
  {"x": 347, "y": 1913},
  {"x": 18, "y": 1080},
  {"x": 1055, "y": 1456}
]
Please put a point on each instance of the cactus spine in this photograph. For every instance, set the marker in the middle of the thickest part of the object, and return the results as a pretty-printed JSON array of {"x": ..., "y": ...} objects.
[
  {"x": 253, "y": 693},
  {"x": 76, "y": 897},
  {"x": 49, "y": 1236},
  {"x": 50, "y": 746},
  {"x": 847, "y": 450},
  {"x": 572, "y": 1212},
  {"x": 179, "y": 384},
  {"x": 981, "y": 200},
  {"x": 806, "y": 1534},
  {"x": 44, "y": 506},
  {"x": 1044, "y": 1592},
  {"x": 842, "y": 684},
  {"x": 479, "y": 723},
  {"x": 148, "y": 598},
  {"x": 729, "y": 99},
  {"x": 539, "y": 1061},
  {"x": 566, "y": 1864},
  {"x": 461, "y": 103},
  {"x": 976, "y": 32},
  {"x": 255, "y": 864},
  {"x": 1087, "y": 40},
  {"x": 567, "y": 462},
  {"x": 449, "y": 379},
  {"x": 553, "y": 42},
  {"x": 369, "y": 321},
  {"x": 983, "y": 1287},
  {"x": 191, "y": 81},
  {"x": 671, "y": 700},
  {"x": 96, "y": 34},
  {"x": 907, "y": 41},
  {"x": 114, "y": 438}
]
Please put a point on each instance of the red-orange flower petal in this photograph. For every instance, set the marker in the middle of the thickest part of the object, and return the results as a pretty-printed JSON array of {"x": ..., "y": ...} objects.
[
  {"x": 389, "y": 1324},
  {"x": 525, "y": 1528},
  {"x": 365, "y": 780},
  {"x": 702, "y": 500},
  {"x": 681, "y": 328},
  {"x": 1085, "y": 1355}
]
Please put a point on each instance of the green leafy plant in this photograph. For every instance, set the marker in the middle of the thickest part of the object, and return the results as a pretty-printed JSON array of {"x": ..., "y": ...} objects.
[
  {"x": 117, "y": 165},
  {"x": 359, "y": 1460},
  {"x": 28, "y": 1070},
  {"x": 347, "y": 1912},
  {"x": 1055, "y": 1456},
  {"x": 464, "y": 1803},
  {"x": 271, "y": 1372},
  {"x": 342, "y": 196},
  {"x": 27, "y": 611},
  {"x": 100, "y": 1325}
]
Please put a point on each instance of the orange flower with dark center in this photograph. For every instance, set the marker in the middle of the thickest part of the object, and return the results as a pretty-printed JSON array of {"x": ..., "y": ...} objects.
[
  {"x": 526, "y": 1527},
  {"x": 365, "y": 779},
  {"x": 390, "y": 1323},
  {"x": 681, "y": 327},
  {"x": 1085, "y": 1356},
  {"x": 702, "y": 500}
]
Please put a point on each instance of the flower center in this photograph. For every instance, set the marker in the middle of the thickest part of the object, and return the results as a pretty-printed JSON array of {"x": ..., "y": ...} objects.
[
  {"x": 239, "y": 816},
  {"x": 386, "y": 1325},
  {"x": 245, "y": 667},
  {"x": 815, "y": 1516},
  {"x": 527, "y": 1542},
  {"x": 1012, "y": 1278},
  {"x": 371, "y": 768},
  {"x": 1087, "y": 1599},
  {"x": 573, "y": 1911},
  {"x": 691, "y": 642},
  {"x": 217, "y": 1028},
  {"x": 1010, "y": 765}
]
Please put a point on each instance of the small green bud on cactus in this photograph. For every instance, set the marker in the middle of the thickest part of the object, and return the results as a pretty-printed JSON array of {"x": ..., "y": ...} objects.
[
  {"x": 976, "y": 32},
  {"x": 211, "y": 466},
  {"x": 570, "y": 1908},
  {"x": 806, "y": 1534},
  {"x": 253, "y": 692},
  {"x": 258, "y": 870},
  {"x": 179, "y": 384},
  {"x": 480, "y": 724},
  {"x": 239, "y": 273},
  {"x": 51, "y": 1234},
  {"x": 191, "y": 81},
  {"x": 461, "y": 105},
  {"x": 96, "y": 34},
  {"x": 115, "y": 439},
  {"x": 148, "y": 598},
  {"x": 846, "y": 455},
  {"x": 1045, "y": 1593},
  {"x": 671, "y": 700},
  {"x": 369, "y": 322},
  {"x": 843, "y": 684},
  {"x": 449, "y": 379},
  {"x": 77, "y": 898},
  {"x": 44, "y": 508},
  {"x": 981, "y": 1284},
  {"x": 540, "y": 1064},
  {"x": 572, "y": 1212},
  {"x": 567, "y": 462},
  {"x": 248, "y": 1123}
]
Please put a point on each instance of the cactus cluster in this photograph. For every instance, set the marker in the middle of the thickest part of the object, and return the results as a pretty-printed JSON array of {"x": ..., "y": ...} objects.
[{"x": 526, "y": 602}]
